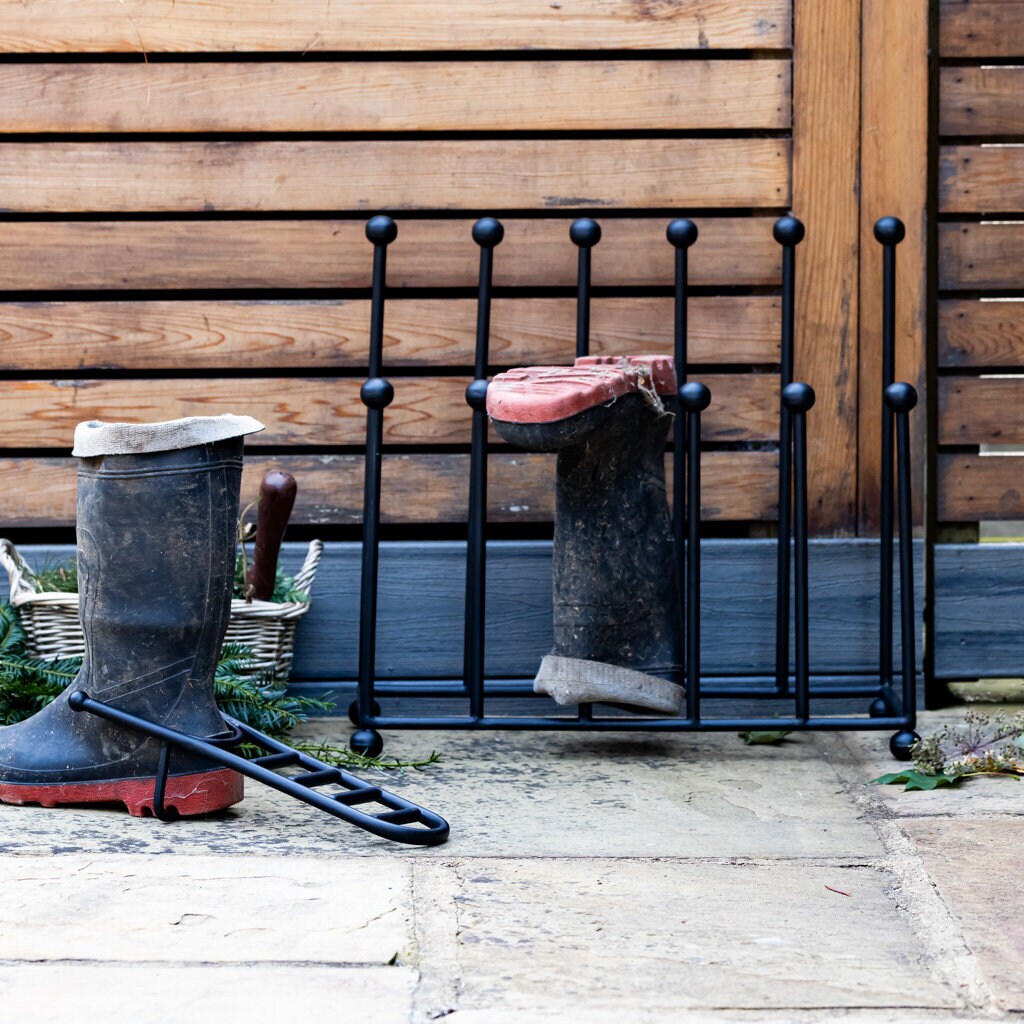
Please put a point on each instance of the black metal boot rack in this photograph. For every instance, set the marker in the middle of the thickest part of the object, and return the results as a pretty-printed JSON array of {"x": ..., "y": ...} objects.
[{"x": 892, "y": 698}]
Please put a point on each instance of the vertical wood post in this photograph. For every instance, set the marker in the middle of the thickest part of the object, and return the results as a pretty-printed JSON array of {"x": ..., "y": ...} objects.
[
  {"x": 894, "y": 177},
  {"x": 826, "y": 184}
]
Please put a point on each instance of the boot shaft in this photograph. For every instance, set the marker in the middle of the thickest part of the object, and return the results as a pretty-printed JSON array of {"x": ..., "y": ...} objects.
[{"x": 156, "y": 563}]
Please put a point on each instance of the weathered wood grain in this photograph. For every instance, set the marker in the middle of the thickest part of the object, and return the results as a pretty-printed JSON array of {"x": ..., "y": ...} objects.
[
  {"x": 981, "y": 410},
  {"x": 318, "y": 411},
  {"x": 981, "y": 333},
  {"x": 415, "y": 489},
  {"x": 980, "y": 256},
  {"x": 981, "y": 28},
  {"x": 975, "y": 487},
  {"x": 981, "y": 179},
  {"x": 312, "y": 26},
  {"x": 894, "y": 182},
  {"x": 981, "y": 101},
  {"x": 418, "y": 332},
  {"x": 826, "y": 145},
  {"x": 379, "y": 96},
  {"x": 546, "y": 174},
  {"x": 211, "y": 254}
]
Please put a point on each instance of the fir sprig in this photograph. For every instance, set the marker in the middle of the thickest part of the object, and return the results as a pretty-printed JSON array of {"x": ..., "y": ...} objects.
[{"x": 62, "y": 578}]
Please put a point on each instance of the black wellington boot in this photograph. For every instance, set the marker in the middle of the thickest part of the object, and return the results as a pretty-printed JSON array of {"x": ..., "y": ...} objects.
[
  {"x": 617, "y": 626},
  {"x": 157, "y": 516}
]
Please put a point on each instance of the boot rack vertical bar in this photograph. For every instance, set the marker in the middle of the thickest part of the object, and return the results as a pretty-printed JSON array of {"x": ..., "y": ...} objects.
[
  {"x": 789, "y": 233},
  {"x": 797, "y": 401},
  {"x": 694, "y": 398},
  {"x": 585, "y": 233},
  {"x": 682, "y": 234},
  {"x": 487, "y": 233},
  {"x": 376, "y": 394}
]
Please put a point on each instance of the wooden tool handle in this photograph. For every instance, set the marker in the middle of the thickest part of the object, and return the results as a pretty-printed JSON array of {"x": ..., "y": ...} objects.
[{"x": 277, "y": 496}]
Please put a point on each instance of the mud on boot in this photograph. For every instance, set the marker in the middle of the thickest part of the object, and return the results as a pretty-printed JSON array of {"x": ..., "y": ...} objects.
[
  {"x": 617, "y": 629},
  {"x": 157, "y": 515}
]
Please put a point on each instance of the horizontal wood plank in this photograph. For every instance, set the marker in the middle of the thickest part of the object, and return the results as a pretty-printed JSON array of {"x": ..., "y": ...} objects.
[
  {"x": 981, "y": 28},
  {"x": 975, "y": 487},
  {"x": 418, "y": 332},
  {"x": 981, "y": 179},
  {"x": 981, "y": 410},
  {"x": 981, "y": 101},
  {"x": 319, "y": 411},
  {"x": 546, "y": 174},
  {"x": 311, "y": 26},
  {"x": 335, "y": 253},
  {"x": 380, "y": 96},
  {"x": 415, "y": 489},
  {"x": 981, "y": 333},
  {"x": 981, "y": 256}
]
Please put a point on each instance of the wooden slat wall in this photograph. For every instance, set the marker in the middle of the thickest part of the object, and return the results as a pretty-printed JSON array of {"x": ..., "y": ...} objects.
[
  {"x": 185, "y": 187},
  {"x": 980, "y": 260}
]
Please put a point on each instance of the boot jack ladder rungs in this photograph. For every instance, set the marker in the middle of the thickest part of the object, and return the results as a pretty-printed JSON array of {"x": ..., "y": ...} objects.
[{"x": 403, "y": 821}]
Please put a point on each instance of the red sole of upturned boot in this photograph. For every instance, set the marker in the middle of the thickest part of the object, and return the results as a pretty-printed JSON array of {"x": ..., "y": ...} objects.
[
  {"x": 189, "y": 795},
  {"x": 547, "y": 394}
]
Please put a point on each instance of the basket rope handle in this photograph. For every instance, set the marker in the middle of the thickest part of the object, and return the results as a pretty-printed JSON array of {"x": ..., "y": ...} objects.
[
  {"x": 23, "y": 579},
  {"x": 304, "y": 577}
]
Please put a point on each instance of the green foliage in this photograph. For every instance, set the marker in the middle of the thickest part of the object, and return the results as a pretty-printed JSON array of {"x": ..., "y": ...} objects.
[
  {"x": 63, "y": 578},
  {"x": 917, "y": 780},
  {"x": 324, "y": 751},
  {"x": 285, "y": 590},
  {"x": 980, "y": 744},
  {"x": 764, "y": 736}
]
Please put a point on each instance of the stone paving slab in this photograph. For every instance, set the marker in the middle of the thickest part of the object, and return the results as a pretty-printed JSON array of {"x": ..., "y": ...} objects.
[
  {"x": 612, "y": 936},
  {"x": 972, "y": 798},
  {"x": 203, "y": 909},
  {"x": 526, "y": 795},
  {"x": 976, "y": 867},
  {"x": 80, "y": 994}
]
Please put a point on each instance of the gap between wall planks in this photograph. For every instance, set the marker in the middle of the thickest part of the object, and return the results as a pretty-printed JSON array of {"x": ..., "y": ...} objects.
[
  {"x": 894, "y": 182},
  {"x": 396, "y": 96},
  {"x": 826, "y": 142},
  {"x": 312, "y": 26},
  {"x": 416, "y": 488}
]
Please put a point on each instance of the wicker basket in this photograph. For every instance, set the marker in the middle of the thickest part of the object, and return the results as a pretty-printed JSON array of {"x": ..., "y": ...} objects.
[{"x": 52, "y": 629}]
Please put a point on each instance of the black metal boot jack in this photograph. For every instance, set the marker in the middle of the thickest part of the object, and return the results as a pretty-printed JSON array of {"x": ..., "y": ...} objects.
[{"x": 401, "y": 820}]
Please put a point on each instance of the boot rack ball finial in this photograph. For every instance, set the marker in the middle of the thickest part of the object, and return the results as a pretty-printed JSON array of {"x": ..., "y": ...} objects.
[{"x": 592, "y": 413}]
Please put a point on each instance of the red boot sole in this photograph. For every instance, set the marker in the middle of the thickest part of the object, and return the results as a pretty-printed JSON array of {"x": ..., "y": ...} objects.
[{"x": 189, "y": 795}]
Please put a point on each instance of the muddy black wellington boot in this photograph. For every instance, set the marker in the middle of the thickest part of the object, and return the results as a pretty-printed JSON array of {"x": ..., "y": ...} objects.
[
  {"x": 617, "y": 628},
  {"x": 157, "y": 519}
]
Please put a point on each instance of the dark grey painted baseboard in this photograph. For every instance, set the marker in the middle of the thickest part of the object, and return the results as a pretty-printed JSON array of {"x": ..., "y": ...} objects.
[
  {"x": 421, "y": 609},
  {"x": 979, "y": 610}
]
